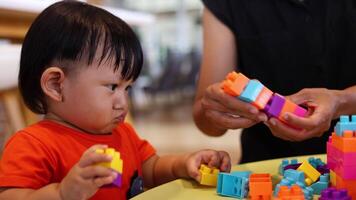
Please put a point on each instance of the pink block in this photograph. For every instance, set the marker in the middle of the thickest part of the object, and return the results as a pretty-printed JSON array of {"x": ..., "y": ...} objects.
[
  {"x": 346, "y": 172},
  {"x": 299, "y": 111},
  {"x": 342, "y": 158},
  {"x": 342, "y": 163}
]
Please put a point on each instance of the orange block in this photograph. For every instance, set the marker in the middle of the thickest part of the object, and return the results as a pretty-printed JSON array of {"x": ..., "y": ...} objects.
[
  {"x": 349, "y": 185},
  {"x": 260, "y": 186},
  {"x": 287, "y": 107},
  {"x": 234, "y": 83},
  {"x": 285, "y": 193},
  {"x": 346, "y": 143},
  {"x": 263, "y": 98}
]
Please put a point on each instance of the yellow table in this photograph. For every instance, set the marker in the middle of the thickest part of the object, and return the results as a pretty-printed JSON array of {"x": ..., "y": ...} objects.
[{"x": 186, "y": 189}]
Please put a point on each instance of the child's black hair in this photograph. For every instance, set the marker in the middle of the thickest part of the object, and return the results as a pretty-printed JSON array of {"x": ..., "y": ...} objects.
[{"x": 72, "y": 31}]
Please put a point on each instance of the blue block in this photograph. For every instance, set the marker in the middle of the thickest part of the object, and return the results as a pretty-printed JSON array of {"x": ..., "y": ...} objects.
[
  {"x": 245, "y": 174},
  {"x": 232, "y": 186},
  {"x": 284, "y": 163},
  {"x": 251, "y": 91},
  {"x": 294, "y": 175},
  {"x": 345, "y": 124},
  {"x": 315, "y": 162},
  {"x": 321, "y": 185}
]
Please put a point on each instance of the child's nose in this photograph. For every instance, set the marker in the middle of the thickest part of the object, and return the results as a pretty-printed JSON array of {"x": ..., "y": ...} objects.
[{"x": 120, "y": 101}]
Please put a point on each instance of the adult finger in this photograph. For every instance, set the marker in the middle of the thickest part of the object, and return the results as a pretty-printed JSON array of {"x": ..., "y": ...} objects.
[{"x": 228, "y": 121}]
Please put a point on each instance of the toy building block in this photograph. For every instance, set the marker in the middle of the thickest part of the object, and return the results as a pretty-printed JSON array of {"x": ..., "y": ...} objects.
[
  {"x": 307, "y": 191},
  {"x": 334, "y": 194},
  {"x": 251, "y": 91},
  {"x": 299, "y": 111},
  {"x": 286, "y": 162},
  {"x": 209, "y": 176},
  {"x": 118, "y": 180},
  {"x": 232, "y": 186},
  {"x": 263, "y": 98},
  {"x": 321, "y": 185},
  {"x": 275, "y": 105},
  {"x": 234, "y": 83},
  {"x": 311, "y": 174},
  {"x": 294, "y": 192},
  {"x": 342, "y": 163},
  {"x": 245, "y": 174},
  {"x": 116, "y": 163},
  {"x": 323, "y": 169},
  {"x": 260, "y": 186},
  {"x": 315, "y": 162},
  {"x": 349, "y": 185},
  {"x": 292, "y": 166},
  {"x": 294, "y": 175},
  {"x": 345, "y": 124},
  {"x": 288, "y": 106},
  {"x": 345, "y": 143}
]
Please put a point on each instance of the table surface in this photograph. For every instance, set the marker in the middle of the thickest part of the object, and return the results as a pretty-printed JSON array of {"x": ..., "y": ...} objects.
[{"x": 187, "y": 189}]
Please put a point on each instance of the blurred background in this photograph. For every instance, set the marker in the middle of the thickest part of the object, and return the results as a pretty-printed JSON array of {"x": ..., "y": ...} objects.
[{"x": 161, "y": 99}]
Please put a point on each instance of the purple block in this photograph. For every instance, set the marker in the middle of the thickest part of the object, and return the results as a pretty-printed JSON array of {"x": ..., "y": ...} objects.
[
  {"x": 299, "y": 111},
  {"x": 118, "y": 180},
  {"x": 275, "y": 105},
  {"x": 334, "y": 194},
  {"x": 323, "y": 169},
  {"x": 292, "y": 166}
]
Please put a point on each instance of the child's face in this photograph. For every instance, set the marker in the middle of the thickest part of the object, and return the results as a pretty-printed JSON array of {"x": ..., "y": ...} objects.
[{"x": 95, "y": 99}]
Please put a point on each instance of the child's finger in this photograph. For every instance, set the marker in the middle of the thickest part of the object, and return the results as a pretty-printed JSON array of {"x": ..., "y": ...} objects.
[
  {"x": 90, "y": 158},
  {"x": 95, "y": 171},
  {"x": 93, "y": 148},
  {"x": 193, "y": 171},
  {"x": 225, "y": 165},
  {"x": 213, "y": 159},
  {"x": 100, "y": 181}
]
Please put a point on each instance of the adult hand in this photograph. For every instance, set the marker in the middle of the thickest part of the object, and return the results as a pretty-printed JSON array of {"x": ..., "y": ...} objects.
[
  {"x": 85, "y": 178},
  {"x": 322, "y": 109},
  {"x": 228, "y": 112}
]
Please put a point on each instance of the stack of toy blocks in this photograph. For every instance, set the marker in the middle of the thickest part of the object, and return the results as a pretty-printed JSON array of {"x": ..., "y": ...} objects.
[
  {"x": 341, "y": 155},
  {"x": 260, "y": 187},
  {"x": 312, "y": 176},
  {"x": 209, "y": 176},
  {"x": 254, "y": 92},
  {"x": 116, "y": 163},
  {"x": 290, "y": 193}
]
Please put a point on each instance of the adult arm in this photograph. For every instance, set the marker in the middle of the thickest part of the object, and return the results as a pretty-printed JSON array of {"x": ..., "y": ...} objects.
[{"x": 214, "y": 111}]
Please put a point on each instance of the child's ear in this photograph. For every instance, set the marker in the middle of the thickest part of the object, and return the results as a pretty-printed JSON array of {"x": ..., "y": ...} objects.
[{"x": 52, "y": 83}]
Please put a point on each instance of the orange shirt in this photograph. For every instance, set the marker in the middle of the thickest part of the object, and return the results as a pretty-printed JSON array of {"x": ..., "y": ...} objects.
[{"x": 44, "y": 153}]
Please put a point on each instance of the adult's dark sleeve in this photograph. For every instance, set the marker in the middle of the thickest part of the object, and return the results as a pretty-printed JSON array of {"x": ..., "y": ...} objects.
[{"x": 222, "y": 10}]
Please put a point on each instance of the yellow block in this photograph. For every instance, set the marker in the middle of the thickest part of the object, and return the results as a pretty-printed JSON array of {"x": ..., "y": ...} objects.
[
  {"x": 311, "y": 174},
  {"x": 209, "y": 176},
  {"x": 116, "y": 162}
]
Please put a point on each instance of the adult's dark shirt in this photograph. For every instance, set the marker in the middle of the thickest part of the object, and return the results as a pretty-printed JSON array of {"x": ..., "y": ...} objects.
[{"x": 289, "y": 45}]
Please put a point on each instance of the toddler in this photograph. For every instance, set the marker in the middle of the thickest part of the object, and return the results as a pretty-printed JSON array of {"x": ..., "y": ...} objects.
[{"x": 77, "y": 64}]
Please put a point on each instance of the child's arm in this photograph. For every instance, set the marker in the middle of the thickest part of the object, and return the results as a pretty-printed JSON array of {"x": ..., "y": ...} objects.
[
  {"x": 50, "y": 192},
  {"x": 158, "y": 170},
  {"x": 81, "y": 182}
]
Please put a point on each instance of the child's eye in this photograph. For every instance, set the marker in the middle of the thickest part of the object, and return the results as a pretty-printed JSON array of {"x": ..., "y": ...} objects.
[
  {"x": 112, "y": 86},
  {"x": 128, "y": 88}
]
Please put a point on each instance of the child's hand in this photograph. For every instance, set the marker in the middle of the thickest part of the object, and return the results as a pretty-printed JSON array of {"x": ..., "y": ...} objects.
[
  {"x": 85, "y": 178},
  {"x": 217, "y": 159}
]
